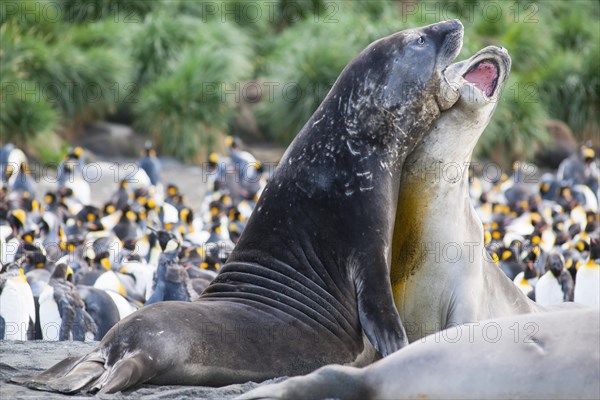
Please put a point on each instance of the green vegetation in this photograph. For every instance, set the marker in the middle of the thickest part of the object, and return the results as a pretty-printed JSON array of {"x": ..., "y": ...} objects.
[{"x": 173, "y": 67}]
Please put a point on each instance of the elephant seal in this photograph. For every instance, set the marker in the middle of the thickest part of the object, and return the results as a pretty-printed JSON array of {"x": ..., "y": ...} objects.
[
  {"x": 527, "y": 356},
  {"x": 310, "y": 272},
  {"x": 441, "y": 274}
]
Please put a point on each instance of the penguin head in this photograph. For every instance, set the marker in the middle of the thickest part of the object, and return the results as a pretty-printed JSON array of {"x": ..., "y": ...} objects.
[
  {"x": 582, "y": 245},
  {"x": 172, "y": 190},
  {"x": 166, "y": 240},
  {"x": 232, "y": 142},
  {"x": 592, "y": 220},
  {"x": 108, "y": 209},
  {"x": 140, "y": 195},
  {"x": 150, "y": 204},
  {"x": 149, "y": 149},
  {"x": 16, "y": 219},
  {"x": 50, "y": 198},
  {"x": 62, "y": 272},
  {"x": 555, "y": 263},
  {"x": 507, "y": 254},
  {"x": 572, "y": 259},
  {"x": 35, "y": 256},
  {"x": 186, "y": 215},
  {"x": 587, "y": 154},
  {"x": 74, "y": 153},
  {"x": 72, "y": 232},
  {"x": 28, "y": 236},
  {"x": 213, "y": 161}
]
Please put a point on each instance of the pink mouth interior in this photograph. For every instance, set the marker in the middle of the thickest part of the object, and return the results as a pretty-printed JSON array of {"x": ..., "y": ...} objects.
[{"x": 484, "y": 76}]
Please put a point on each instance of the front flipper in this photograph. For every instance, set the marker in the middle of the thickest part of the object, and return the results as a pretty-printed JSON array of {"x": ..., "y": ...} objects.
[{"x": 376, "y": 310}]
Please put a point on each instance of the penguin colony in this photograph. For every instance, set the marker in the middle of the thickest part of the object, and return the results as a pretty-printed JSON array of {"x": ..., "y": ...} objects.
[{"x": 70, "y": 270}]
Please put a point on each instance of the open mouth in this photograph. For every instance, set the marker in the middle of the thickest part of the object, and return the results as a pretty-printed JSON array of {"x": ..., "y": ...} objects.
[
  {"x": 484, "y": 76},
  {"x": 485, "y": 72}
]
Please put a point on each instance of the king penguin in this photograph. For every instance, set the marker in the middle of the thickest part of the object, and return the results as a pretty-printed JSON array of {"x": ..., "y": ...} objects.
[
  {"x": 17, "y": 308},
  {"x": 62, "y": 310},
  {"x": 587, "y": 286}
]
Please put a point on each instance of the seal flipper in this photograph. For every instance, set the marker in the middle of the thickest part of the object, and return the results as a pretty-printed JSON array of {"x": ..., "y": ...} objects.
[
  {"x": 57, "y": 370},
  {"x": 83, "y": 375},
  {"x": 127, "y": 373},
  {"x": 376, "y": 310}
]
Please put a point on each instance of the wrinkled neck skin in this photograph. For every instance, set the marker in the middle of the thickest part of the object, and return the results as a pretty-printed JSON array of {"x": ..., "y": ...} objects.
[
  {"x": 344, "y": 165},
  {"x": 441, "y": 273}
]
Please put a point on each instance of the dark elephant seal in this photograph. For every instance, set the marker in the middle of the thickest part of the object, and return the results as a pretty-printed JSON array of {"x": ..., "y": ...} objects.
[
  {"x": 310, "y": 272},
  {"x": 554, "y": 355},
  {"x": 441, "y": 274}
]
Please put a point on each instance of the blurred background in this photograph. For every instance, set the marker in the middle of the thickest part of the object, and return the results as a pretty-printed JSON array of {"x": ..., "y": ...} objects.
[{"x": 188, "y": 73}]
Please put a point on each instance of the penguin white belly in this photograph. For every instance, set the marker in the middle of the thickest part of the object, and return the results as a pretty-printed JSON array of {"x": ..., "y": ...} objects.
[
  {"x": 522, "y": 283},
  {"x": 73, "y": 205},
  {"x": 245, "y": 209},
  {"x": 154, "y": 257},
  {"x": 81, "y": 190},
  {"x": 50, "y": 320},
  {"x": 587, "y": 286},
  {"x": 198, "y": 237},
  {"x": 225, "y": 227},
  {"x": 143, "y": 274},
  {"x": 142, "y": 247},
  {"x": 5, "y": 231},
  {"x": 110, "y": 221},
  {"x": 15, "y": 308},
  {"x": 157, "y": 193},
  {"x": 125, "y": 308},
  {"x": 139, "y": 179},
  {"x": 548, "y": 291},
  {"x": 110, "y": 281}
]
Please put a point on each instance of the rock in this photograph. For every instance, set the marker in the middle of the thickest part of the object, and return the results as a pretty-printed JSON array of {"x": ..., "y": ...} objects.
[{"x": 560, "y": 146}]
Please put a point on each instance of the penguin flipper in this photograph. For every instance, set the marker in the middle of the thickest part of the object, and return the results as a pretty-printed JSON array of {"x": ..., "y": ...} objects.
[
  {"x": 83, "y": 323},
  {"x": 67, "y": 314}
]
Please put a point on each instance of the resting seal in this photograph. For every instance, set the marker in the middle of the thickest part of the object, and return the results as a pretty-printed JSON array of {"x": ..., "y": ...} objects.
[
  {"x": 526, "y": 357},
  {"x": 310, "y": 272}
]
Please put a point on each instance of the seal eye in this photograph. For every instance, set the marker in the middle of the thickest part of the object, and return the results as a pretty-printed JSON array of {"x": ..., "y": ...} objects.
[{"x": 421, "y": 41}]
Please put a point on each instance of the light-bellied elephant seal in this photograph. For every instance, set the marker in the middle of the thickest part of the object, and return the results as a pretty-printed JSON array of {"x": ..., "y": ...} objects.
[
  {"x": 553, "y": 355},
  {"x": 310, "y": 273},
  {"x": 441, "y": 274}
]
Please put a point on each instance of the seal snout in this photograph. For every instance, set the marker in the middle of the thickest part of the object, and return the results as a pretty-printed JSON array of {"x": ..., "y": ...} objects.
[{"x": 449, "y": 35}]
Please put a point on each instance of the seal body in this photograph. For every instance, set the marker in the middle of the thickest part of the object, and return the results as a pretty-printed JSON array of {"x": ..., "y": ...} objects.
[
  {"x": 309, "y": 277},
  {"x": 492, "y": 359},
  {"x": 441, "y": 273}
]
